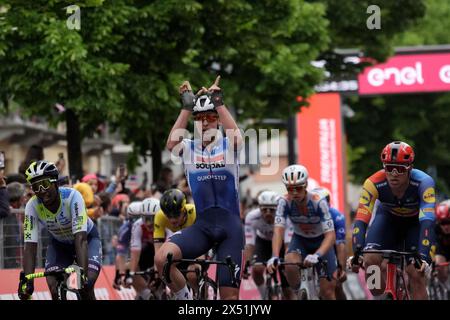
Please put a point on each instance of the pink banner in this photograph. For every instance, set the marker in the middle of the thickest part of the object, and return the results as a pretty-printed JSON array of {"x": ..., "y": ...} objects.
[{"x": 407, "y": 73}]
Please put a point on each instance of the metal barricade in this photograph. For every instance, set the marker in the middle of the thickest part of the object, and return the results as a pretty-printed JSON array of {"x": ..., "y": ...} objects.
[
  {"x": 11, "y": 241},
  {"x": 108, "y": 228}
]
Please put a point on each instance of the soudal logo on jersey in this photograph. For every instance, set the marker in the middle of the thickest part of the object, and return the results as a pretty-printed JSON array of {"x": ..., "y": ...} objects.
[{"x": 213, "y": 165}]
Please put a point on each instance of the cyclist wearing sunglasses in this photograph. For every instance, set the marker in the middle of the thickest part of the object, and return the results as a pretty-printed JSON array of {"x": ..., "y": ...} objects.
[
  {"x": 443, "y": 239},
  {"x": 404, "y": 217},
  {"x": 211, "y": 165},
  {"x": 142, "y": 251},
  {"x": 73, "y": 235},
  {"x": 314, "y": 234},
  {"x": 259, "y": 224}
]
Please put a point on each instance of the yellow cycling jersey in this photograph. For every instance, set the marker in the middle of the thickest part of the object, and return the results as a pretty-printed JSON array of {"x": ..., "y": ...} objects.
[{"x": 162, "y": 222}]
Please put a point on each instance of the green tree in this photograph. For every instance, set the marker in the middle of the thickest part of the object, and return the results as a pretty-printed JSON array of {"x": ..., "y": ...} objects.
[{"x": 125, "y": 64}]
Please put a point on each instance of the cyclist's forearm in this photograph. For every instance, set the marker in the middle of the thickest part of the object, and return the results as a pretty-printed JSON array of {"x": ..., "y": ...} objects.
[
  {"x": 228, "y": 123},
  {"x": 341, "y": 254},
  {"x": 327, "y": 242},
  {"x": 81, "y": 250},
  {"x": 427, "y": 238},
  {"x": 277, "y": 240},
  {"x": 359, "y": 235},
  {"x": 134, "y": 259},
  {"x": 29, "y": 257},
  {"x": 181, "y": 123}
]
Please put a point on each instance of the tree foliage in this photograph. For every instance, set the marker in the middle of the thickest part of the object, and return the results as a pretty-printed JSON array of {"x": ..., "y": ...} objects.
[{"x": 125, "y": 64}]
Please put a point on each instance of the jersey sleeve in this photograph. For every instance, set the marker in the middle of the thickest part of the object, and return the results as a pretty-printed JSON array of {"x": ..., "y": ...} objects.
[
  {"x": 427, "y": 199},
  {"x": 79, "y": 214},
  {"x": 30, "y": 223},
  {"x": 367, "y": 198},
  {"x": 184, "y": 149},
  {"x": 136, "y": 236},
  {"x": 339, "y": 226},
  {"x": 281, "y": 213},
  {"x": 325, "y": 217},
  {"x": 159, "y": 229},
  {"x": 250, "y": 232}
]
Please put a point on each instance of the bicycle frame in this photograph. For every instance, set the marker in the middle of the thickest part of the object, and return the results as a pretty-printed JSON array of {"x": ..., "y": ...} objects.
[
  {"x": 203, "y": 264},
  {"x": 273, "y": 286},
  {"x": 309, "y": 279},
  {"x": 396, "y": 278}
]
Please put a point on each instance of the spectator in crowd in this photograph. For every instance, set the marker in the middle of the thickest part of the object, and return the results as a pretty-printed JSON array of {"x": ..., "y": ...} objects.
[
  {"x": 165, "y": 180},
  {"x": 105, "y": 203},
  {"x": 92, "y": 201},
  {"x": 4, "y": 205},
  {"x": 120, "y": 204},
  {"x": 95, "y": 183},
  {"x": 35, "y": 153}
]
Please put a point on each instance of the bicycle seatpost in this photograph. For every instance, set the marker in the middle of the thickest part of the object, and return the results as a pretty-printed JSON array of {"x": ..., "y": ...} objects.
[{"x": 166, "y": 268}]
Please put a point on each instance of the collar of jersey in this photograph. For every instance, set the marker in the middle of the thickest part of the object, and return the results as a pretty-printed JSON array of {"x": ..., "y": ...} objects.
[{"x": 48, "y": 212}]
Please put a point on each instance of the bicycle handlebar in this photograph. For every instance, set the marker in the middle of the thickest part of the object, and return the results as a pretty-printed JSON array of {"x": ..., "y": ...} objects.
[{"x": 43, "y": 274}]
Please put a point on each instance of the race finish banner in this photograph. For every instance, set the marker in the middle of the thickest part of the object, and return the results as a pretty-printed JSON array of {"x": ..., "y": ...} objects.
[
  {"x": 407, "y": 73},
  {"x": 319, "y": 139}
]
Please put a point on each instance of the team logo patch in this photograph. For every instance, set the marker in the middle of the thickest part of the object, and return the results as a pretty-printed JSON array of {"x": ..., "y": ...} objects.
[
  {"x": 426, "y": 242},
  {"x": 429, "y": 196},
  {"x": 362, "y": 211},
  {"x": 356, "y": 230},
  {"x": 365, "y": 197}
]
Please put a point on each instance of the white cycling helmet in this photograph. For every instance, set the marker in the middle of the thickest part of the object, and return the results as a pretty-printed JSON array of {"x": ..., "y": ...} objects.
[
  {"x": 202, "y": 104},
  {"x": 268, "y": 199},
  {"x": 150, "y": 206},
  {"x": 135, "y": 208},
  {"x": 295, "y": 175}
]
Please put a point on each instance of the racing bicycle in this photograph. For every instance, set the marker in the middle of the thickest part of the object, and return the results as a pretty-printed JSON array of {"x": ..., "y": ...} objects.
[
  {"x": 207, "y": 287},
  {"x": 68, "y": 280}
]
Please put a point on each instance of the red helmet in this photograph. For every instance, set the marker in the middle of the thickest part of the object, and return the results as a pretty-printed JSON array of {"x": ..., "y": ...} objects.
[
  {"x": 397, "y": 152},
  {"x": 443, "y": 211}
]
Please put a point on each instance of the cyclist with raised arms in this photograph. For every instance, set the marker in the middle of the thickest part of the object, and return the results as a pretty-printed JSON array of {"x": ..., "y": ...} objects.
[
  {"x": 340, "y": 246},
  {"x": 314, "y": 234},
  {"x": 404, "y": 218},
  {"x": 443, "y": 239},
  {"x": 72, "y": 234},
  {"x": 212, "y": 170},
  {"x": 141, "y": 247},
  {"x": 259, "y": 225}
]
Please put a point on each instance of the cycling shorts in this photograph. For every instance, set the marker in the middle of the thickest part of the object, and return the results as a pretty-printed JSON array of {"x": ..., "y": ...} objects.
[
  {"x": 61, "y": 255},
  {"x": 305, "y": 246},
  {"x": 214, "y": 227}
]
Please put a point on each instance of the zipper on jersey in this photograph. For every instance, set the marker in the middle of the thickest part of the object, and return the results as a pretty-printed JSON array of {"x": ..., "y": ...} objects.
[{"x": 212, "y": 182}]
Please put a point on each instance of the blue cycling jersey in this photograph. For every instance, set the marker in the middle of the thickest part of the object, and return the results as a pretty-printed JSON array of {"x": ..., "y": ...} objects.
[
  {"x": 339, "y": 225},
  {"x": 213, "y": 174}
]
